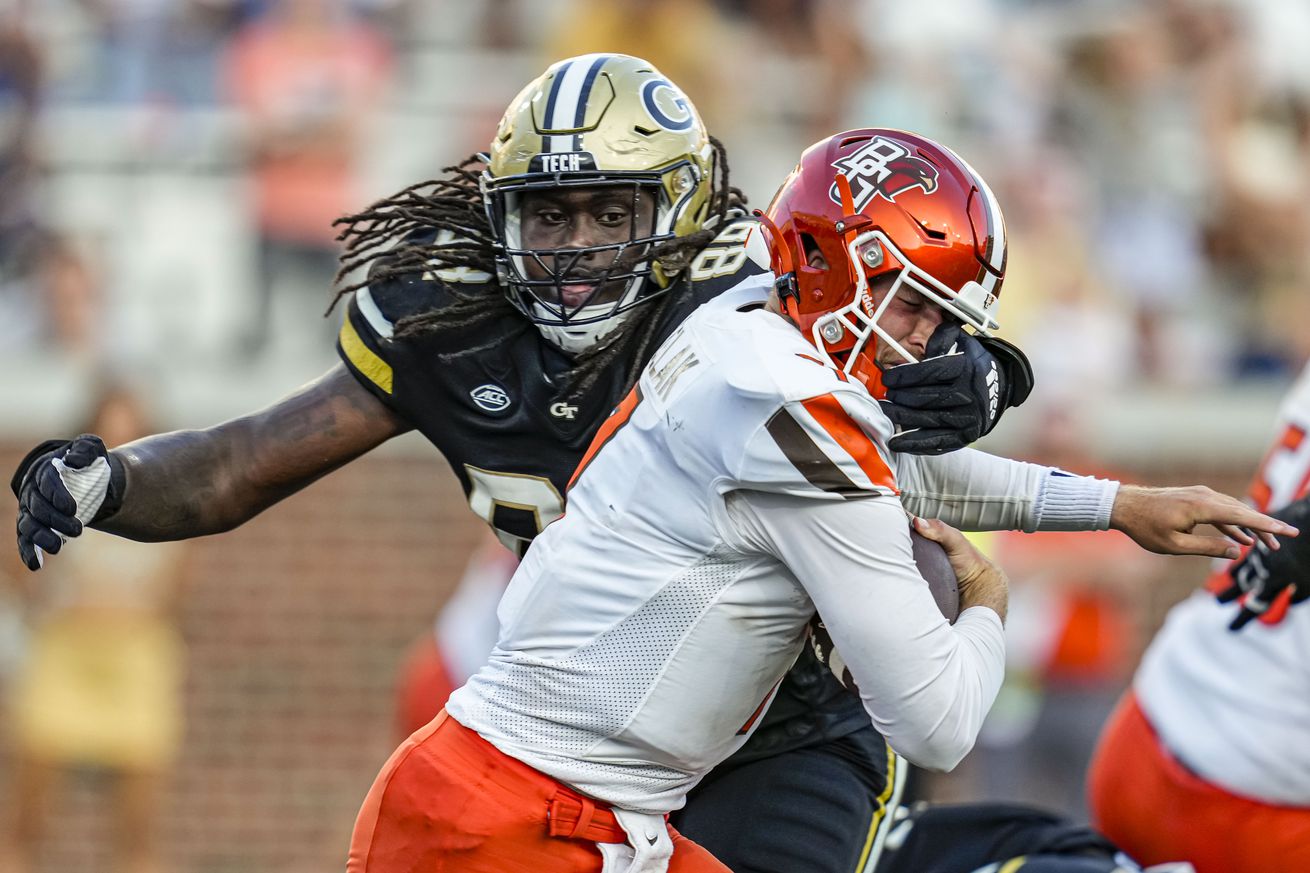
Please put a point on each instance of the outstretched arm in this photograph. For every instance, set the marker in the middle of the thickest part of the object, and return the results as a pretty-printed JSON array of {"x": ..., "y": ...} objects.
[
  {"x": 196, "y": 482},
  {"x": 972, "y": 490},
  {"x": 1163, "y": 520}
]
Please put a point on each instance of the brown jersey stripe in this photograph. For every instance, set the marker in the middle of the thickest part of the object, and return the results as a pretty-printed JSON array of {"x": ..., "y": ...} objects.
[{"x": 806, "y": 456}]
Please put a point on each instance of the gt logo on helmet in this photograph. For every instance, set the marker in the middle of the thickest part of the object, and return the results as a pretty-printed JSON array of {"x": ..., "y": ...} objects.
[
  {"x": 883, "y": 168},
  {"x": 680, "y": 117}
]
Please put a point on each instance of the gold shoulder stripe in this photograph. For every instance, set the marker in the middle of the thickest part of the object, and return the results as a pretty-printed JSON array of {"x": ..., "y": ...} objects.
[{"x": 363, "y": 358}]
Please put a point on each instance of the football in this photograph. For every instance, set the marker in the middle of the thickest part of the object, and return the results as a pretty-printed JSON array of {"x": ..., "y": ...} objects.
[{"x": 936, "y": 569}]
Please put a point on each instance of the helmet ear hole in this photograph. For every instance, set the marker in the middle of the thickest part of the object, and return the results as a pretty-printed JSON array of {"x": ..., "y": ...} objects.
[
  {"x": 702, "y": 214},
  {"x": 814, "y": 256}
]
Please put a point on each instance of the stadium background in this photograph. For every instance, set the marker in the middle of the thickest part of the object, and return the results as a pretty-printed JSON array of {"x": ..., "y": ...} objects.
[{"x": 1153, "y": 159}]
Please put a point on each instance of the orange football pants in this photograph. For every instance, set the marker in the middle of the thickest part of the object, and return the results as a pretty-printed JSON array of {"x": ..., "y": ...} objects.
[
  {"x": 448, "y": 800},
  {"x": 1157, "y": 810}
]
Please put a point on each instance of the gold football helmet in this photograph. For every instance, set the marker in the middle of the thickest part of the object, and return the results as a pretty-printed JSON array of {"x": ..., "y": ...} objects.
[{"x": 599, "y": 122}]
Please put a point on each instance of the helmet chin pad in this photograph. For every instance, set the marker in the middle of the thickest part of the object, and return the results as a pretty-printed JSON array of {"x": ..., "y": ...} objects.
[{"x": 586, "y": 334}]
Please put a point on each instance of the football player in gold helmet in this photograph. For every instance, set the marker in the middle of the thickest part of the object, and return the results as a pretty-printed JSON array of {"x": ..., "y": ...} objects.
[
  {"x": 601, "y": 191},
  {"x": 604, "y": 136}
]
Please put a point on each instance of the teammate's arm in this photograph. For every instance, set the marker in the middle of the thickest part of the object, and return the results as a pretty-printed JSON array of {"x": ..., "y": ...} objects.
[{"x": 195, "y": 482}]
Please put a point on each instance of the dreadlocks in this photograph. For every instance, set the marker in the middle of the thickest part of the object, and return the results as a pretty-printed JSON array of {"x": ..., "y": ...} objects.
[{"x": 377, "y": 240}]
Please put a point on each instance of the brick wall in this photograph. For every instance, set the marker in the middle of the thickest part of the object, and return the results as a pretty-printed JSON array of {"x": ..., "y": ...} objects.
[{"x": 295, "y": 625}]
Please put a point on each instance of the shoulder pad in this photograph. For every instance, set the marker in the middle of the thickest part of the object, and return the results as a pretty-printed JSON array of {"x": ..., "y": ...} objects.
[
  {"x": 390, "y": 299},
  {"x": 768, "y": 357},
  {"x": 366, "y": 342},
  {"x": 832, "y": 445}
]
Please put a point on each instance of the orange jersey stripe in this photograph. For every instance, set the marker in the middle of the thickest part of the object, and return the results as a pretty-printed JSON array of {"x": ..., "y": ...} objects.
[
  {"x": 617, "y": 419},
  {"x": 833, "y": 418},
  {"x": 759, "y": 710},
  {"x": 1261, "y": 491}
]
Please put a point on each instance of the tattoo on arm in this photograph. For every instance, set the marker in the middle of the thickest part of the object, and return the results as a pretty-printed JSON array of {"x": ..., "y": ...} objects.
[{"x": 197, "y": 482}]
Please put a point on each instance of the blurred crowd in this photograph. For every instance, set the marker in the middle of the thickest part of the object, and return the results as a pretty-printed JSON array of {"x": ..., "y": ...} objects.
[
  {"x": 169, "y": 172},
  {"x": 168, "y": 159}
]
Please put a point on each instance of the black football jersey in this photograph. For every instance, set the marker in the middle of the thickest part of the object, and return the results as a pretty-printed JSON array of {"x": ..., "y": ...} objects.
[{"x": 492, "y": 400}]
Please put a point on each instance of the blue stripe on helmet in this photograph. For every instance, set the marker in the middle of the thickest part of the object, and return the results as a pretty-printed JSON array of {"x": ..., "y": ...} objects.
[
  {"x": 550, "y": 102},
  {"x": 581, "y": 114}
]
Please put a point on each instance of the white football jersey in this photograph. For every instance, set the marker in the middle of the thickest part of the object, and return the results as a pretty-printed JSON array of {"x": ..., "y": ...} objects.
[
  {"x": 646, "y": 631},
  {"x": 1235, "y": 707}
]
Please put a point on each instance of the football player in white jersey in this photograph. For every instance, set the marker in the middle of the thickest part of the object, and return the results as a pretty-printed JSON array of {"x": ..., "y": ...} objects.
[
  {"x": 510, "y": 303},
  {"x": 742, "y": 484},
  {"x": 1208, "y": 756}
]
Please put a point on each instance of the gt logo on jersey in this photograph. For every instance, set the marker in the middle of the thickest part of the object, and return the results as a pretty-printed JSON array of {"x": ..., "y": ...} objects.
[
  {"x": 883, "y": 168},
  {"x": 490, "y": 397},
  {"x": 563, "y": 410}
]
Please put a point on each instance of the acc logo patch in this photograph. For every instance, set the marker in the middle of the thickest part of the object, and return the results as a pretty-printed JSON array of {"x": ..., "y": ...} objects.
[
  {"x": 667, "y": 105},
  {"x": 882, "y": 168},
  {"x": 490, "y": 397}
]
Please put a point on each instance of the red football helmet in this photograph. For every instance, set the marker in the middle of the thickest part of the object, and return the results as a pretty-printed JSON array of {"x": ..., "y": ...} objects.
[{"x": 874, "y": 201}]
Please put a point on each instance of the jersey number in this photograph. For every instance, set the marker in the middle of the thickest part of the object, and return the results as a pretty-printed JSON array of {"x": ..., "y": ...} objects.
[
  {"x": 516, "y": 505},
  {"x": 724, "y": 256}
]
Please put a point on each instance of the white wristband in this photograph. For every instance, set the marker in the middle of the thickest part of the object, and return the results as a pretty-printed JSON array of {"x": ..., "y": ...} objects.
[{"x": 1067, "y": 502}]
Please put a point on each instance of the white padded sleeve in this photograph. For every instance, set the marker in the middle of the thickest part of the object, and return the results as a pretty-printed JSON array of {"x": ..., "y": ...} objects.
[
  {"x": 973, "y": 490},
  {"x": 926, "y": 684}
]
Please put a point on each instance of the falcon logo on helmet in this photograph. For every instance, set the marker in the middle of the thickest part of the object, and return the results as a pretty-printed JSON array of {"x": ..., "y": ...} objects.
[
  {"x": 883, "y": 168},
  {"x": 872, "y": 214}
]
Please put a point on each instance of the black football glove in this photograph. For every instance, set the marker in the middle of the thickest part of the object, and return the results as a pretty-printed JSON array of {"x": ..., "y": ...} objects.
[
  {"x": 956, "y": 394},
  {"x": 1268, "y": 581},
  {"x": 47, "y": 509}
]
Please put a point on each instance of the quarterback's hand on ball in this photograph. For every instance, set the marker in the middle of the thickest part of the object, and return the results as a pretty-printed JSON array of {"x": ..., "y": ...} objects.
[
  {"x": 958, "y": 575},
  {"x": 1266, "y": 581},
  {"x": 61, "y": 485},
  {"x": 1162, "y": 520},
  {"x": 956, "y": 394},
  {"x": 981, "y": 582}
]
